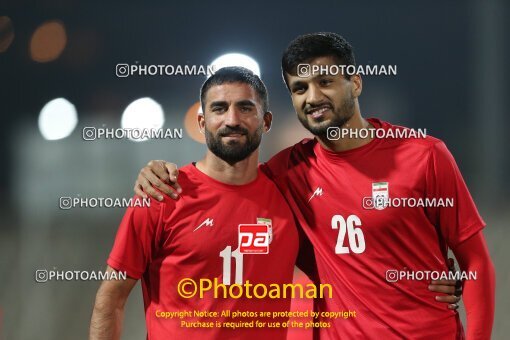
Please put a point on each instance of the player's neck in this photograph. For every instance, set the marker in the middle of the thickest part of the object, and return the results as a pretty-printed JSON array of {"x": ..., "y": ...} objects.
[
  {"x": 239, "y": 173},
  {"x": 356, "y": 122}
]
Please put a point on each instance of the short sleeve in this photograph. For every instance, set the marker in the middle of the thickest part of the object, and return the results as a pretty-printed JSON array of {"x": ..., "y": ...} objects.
[
  {"x": 455, "y": 213},
  {"x": 137, "y": 238}
]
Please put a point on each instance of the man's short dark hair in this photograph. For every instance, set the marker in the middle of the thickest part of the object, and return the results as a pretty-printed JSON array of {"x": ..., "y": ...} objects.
[
  {"x": 307, "y": 47},
  {"x": 236, "y": 74}
]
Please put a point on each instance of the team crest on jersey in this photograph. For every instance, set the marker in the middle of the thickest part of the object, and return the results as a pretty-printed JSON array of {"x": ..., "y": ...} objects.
[
  {"x": 269, "y": 223},
  {"x": 253, "y": 239},
  {"x": 380, "y": 195}
]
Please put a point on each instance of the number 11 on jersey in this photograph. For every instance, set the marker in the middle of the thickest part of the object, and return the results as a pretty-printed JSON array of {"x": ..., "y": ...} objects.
[{"x": 227, "y": 255}]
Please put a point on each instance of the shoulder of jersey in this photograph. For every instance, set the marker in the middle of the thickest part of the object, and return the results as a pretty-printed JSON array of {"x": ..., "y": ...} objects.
[
  {"x": 186, "y": 177},
  {"x": 306, "y": 141},
  {"x": 187, "y": 184},
  {"x": 305, "y": 146},
  {"x": 427, "y": 141},
  {"x": 280, "y": 162}
]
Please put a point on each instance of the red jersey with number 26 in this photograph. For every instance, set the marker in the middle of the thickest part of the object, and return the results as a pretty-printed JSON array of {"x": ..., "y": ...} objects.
[
  {"x": 197, "y": 237},
  {"x": 359, "y": 249}
]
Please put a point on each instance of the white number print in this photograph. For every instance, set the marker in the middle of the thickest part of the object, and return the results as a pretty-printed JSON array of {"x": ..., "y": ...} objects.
[
  {"x": 355, "y": 235},
  {"x": 227, "y": 254}
]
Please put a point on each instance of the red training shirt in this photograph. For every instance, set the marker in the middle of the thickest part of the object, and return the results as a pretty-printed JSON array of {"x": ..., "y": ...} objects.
[
  {"x": 354, "y": 248},
  {"x": 196, "y": 237}
]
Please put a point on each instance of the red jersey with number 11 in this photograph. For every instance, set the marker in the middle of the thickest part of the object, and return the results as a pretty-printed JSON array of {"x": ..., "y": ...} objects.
[{"x": 197, "y": 237}]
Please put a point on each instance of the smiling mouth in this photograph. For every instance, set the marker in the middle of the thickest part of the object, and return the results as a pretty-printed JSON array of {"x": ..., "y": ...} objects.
[{"x": 319, "y": 111}]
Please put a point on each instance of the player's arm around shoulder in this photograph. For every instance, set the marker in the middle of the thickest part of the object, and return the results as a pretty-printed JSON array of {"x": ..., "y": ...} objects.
[
  {"x": 108, "y": 312},
  {"x": 158, "y": 177}
]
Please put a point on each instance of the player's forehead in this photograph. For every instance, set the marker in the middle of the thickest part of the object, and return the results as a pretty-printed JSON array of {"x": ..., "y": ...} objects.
[
  {"x": 298, "y": 75},
  {"x": 232, "y": 93},
  {"x": 323, "y": 60}
]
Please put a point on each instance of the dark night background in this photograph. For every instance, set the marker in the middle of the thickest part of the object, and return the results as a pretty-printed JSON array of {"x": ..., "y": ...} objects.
[{"x": 453, "y": 80}]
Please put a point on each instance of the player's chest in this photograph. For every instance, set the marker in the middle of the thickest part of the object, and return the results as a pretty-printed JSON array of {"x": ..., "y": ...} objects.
[
  {"x": 244, "y": 226},
  {"x": 343, "y": 198}
]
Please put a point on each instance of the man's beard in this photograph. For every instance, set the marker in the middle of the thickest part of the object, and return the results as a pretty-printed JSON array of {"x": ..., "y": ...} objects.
[
  {"x": 340, "y": 117},
  {"x": 233, "y": 151}
]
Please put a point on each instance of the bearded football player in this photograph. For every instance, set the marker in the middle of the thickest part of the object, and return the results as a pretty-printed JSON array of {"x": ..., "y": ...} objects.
[{"x": 359, "y": 248}]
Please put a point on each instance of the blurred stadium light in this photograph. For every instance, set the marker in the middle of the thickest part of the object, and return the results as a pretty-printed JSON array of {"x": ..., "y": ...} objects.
[
  {"x": 143, "y": 113},
  {"x": 236, "y": 59},
  {"x": 57, "y": 119},
  {"x": 48, "y": 41}
]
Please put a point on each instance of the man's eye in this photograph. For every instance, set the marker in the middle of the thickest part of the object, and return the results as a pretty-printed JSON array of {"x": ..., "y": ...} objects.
[
  {"x": 246, "y": 108},
  {"x": 217, "y": 109},
  {"x": 298, "y": 90},
  {"x": 325, "y": 81}
]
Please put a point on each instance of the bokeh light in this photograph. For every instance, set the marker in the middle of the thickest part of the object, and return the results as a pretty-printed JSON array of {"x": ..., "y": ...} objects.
[
  {"x": 143, "y": 113},
  {"x": 58, "y": 119},
  {"x": 236, "y": 59},
  {"x": 48, "y": 41},
  {"x": 191, "y": 124},
  {"x": 6, "y": 33}
]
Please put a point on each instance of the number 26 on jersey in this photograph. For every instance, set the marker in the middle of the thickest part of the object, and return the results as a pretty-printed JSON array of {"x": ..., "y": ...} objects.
[{"x": 350, "y": 236}]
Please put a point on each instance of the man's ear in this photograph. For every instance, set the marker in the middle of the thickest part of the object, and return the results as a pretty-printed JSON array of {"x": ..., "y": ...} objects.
[
  {"x": 268, "y": 120},
  {"x": 357, "y": 85},
  {"x": 201, "y": 122}
]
